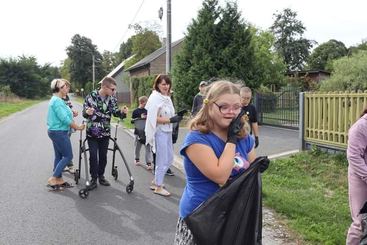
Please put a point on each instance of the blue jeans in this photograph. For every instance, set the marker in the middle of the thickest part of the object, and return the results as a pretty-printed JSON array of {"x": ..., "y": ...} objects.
[{"x": 63, "y": 152}]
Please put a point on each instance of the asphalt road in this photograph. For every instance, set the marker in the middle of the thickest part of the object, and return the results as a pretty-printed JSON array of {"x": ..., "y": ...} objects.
[{"x": 30, "y": 214}]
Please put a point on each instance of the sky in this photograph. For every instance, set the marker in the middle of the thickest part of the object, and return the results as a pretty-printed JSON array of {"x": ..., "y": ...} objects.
[{"x": 44, "y": 28}]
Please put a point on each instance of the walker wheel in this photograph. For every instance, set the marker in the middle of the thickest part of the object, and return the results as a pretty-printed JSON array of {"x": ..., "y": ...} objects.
[
  {"x": 115, "y": 173},
  {"x": 83, "y": 193},
  {"x": 76, "y": 176},
  {"x": 129, "y": 188}
]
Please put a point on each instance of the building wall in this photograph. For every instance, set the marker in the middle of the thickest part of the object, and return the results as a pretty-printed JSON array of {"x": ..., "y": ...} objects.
[
  {"x": 141, "y": 72},
  {"x": 123, "y": 87},
  {"x": 158, "y": 66}
]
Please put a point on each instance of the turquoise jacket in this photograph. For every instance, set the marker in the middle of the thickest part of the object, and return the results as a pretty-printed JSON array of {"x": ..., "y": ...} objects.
[{"x": 59, "y": 116}]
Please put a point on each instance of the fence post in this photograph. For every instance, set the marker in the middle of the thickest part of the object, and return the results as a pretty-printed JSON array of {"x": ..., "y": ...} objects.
[{"x": 301, "y": 123}]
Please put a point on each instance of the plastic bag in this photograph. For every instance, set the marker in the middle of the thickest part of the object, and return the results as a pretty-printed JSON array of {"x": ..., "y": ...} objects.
[{"x": 233, "y": 215}]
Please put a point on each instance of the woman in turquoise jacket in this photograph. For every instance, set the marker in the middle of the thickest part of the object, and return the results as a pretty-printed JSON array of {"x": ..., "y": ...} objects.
[{"x": 59, "y": 122}]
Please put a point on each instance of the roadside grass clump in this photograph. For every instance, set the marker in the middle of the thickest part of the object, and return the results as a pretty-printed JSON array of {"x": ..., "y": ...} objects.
[
  {"x": 9, "y": 107},
  {"x": 310, "y": 190}
]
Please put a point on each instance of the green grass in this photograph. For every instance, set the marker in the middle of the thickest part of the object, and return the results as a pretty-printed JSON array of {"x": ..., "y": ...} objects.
[
  {"x": 8, "y": 108},
  {"x": 311, "y": 190}
]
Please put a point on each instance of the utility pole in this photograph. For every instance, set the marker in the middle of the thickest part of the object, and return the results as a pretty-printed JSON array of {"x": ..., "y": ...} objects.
[
  {"x": 93, "y": 67},
  {"x": 168, "y": 41}
]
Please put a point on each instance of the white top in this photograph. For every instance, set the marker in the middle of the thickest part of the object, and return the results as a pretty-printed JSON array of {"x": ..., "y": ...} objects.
[{"x": 157, "y": 105}]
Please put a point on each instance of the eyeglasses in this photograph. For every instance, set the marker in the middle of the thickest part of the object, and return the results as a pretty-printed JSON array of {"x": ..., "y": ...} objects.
[
  {"x": 112, "y": 89},
  {"x": 62, "y": 86},
  {"x": 225, "y": 108}
]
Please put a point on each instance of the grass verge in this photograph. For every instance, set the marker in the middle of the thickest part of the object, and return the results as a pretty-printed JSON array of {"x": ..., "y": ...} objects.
[
  {"x": 8, "y": 108},
  {"x": 311, "y": 190}
]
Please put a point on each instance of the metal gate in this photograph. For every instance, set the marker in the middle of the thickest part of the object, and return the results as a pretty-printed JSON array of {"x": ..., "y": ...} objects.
[{"x": 279, "y": 109}]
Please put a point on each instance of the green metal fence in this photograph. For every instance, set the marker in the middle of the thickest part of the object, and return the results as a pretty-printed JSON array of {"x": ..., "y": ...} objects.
[
  {"x": 278, "y": 108},
  {"x": 327, "y": 117}
]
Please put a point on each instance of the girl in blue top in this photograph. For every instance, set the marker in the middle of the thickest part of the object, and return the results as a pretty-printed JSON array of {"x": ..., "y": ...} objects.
[
  {"x": 214, "y": 151},
  {"x": 59, "y": 122}
]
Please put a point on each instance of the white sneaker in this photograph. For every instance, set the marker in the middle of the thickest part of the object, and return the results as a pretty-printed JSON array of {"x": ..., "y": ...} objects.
[{"x": 71, "y": 169}]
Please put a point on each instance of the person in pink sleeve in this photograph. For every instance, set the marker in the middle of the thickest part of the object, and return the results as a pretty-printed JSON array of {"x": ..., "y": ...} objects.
[{"x": 357, "y": 175}]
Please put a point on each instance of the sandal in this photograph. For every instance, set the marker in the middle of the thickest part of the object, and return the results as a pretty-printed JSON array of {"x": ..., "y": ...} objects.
[
  {"x": 162, "y": 192},
  {"x": 153, "y": 186},
  {"x": 66, "y": 185}
]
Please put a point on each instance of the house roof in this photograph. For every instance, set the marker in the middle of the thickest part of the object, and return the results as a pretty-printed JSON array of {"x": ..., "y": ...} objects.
[
  {"x": 149, "y": 58},
  {"x": 118, "y": 68}
]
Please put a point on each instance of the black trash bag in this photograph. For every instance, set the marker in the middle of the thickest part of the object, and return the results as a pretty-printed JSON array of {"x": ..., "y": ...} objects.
[
  {"x": 363, "y": 214},
  {"x": 141, "y": 136},
  {"x": 175, "y": 128},
  {"x": 233, "y": 215},
  {"x": 140, "y": 129}
]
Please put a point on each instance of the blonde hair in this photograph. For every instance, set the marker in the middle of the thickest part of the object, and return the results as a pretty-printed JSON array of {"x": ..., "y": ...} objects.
[
  {"x": 56, "y": 82},
  {"x": 143, "y": 99},
  {"x": 202, "y": 120}
]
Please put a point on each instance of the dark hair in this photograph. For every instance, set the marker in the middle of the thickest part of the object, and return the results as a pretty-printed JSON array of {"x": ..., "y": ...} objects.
[{"x": 159, "y": 79}]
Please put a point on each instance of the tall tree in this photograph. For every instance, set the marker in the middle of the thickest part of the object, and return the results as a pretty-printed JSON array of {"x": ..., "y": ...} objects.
[
  {"x": 65, "y": 69},
  {"x": 270, "y": 68},
  {"x": 197, "y": 58},
  {"x": 126, "y": 50},
  {"x": 217, "y": 44},
  {"x": 81, "y": 52},
  {"x": 144, "y": 42},
  {"x": 322, "y": 56},
  {"x": 234, "y": 40},
  {"x": 109, "y": 61},
  {"x": 289, "y": 40}
]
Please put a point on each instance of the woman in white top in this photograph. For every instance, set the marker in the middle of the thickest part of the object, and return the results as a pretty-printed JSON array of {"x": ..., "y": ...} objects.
[{"x": 158, "y": 129}]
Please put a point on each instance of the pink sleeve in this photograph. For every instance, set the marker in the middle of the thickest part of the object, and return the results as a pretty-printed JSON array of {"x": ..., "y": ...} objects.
[{"x": 357, "y": 149}]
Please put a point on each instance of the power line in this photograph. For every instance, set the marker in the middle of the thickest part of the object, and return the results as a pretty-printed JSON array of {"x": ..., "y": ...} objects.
[{"x": 131, "y": 22}]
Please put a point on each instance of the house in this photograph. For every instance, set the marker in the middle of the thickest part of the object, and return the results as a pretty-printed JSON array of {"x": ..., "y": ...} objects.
[
  {"x": 314, "y": 75},
  {"x": 154, "y": 63},
  {"x": 122, "y": 80}
]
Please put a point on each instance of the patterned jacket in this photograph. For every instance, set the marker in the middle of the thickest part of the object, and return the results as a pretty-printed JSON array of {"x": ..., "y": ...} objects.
[{"x": 99, "y": 124}]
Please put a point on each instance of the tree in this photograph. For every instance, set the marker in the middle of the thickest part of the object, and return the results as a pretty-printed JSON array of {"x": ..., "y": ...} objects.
[
  {"x": 65, "y": 69},
  {"x": 350, "y": 73},
  {"x": 217, "y": 44},
  {"x": 25, "y": 77},
  {"x": 323, "y": 55},
  {"x": 144, "y": 42},
  {"x": 80, "y": 53},
  {"x": 126, "y": 50},
  {"x": 355, "y": 49},
  {"x": 269, "y": 65},
  {"x": 234, "y": 40},
  {"x": 289, "y": 42},
  {"x": 196, "y": 60},
  {"x": 109, "y": 61}
]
